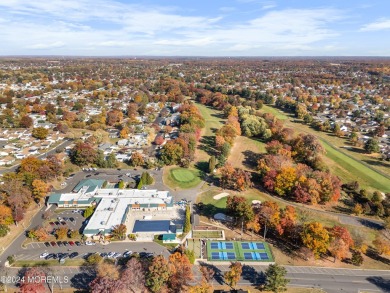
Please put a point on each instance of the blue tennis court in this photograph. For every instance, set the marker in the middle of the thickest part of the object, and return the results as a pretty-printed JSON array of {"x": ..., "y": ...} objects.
[
  {"x": 239, "y": 251},
  {"x": 259, "y": 245}
]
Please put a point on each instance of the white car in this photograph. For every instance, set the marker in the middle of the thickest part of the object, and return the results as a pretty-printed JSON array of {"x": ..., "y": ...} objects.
[
  {"x": 43, "y": 255},
  {"x": 127, "y": 253},
  {"x": 90, "y": 243}
]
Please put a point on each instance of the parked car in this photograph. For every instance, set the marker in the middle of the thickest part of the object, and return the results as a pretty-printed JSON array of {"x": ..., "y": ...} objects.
[
  {"x": 71, "y": 219},
  {"x": 73, "y": 254},
  {"x": 78, "y": 243},
  {"x": 117, "y": 255},
  {"x": 49, "y": 256},
  {"x": 90, "y": 243},
  {"x": 53, "y": 243},
  {"x": 43, "y": 255},
  {"x": 71, "y": 243},
  {"x": 59, "y": 243},
  {"x": 127, "y": 253},
  {"x": 65, "y": 243},
  {"x": 145, "y": 254},
  {"x": 47, "y": 244}
]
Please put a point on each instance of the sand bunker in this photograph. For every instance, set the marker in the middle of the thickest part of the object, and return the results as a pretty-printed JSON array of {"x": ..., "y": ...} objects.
[{"x": 221, "y": 195}]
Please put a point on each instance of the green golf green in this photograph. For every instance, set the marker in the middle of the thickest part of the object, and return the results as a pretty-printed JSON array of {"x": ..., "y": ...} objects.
[{"x": 183, "y": 175}]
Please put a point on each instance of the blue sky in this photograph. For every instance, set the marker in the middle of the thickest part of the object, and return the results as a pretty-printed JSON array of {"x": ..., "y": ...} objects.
[{"x": 195, "y": 28}]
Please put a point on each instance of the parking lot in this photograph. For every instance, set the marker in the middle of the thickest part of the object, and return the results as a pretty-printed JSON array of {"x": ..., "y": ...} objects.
[
  {"x": 33, "y": 251},
  {"x": 72, "y": 219}
]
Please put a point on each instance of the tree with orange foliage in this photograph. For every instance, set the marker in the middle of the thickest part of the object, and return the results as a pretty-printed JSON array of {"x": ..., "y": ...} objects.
[
  {"x": 137, "y": 159},
  {"x": 269, "y": 215},
  {"x": 219, "y": 141},
  {"x": 338, "y": 248},
  {"x": 181, "y": 272},
  {"x": 124, "y": 133},
  {"x": 233, "y": 276},
  {"x": 39, "y": 189},
  {"x": 287, "y": 220},
  {"x": 306, "y": 190},
  {"x": 342, "y": 233},
  {"x": 114, "y": 116},
  {"x": 285, "y": 181},
  {"x": 41, "y": 234},
  {"x": 315, "y": 237},
  {"x": 382, "y": 245},
  {"x": 254, "y": 224},
  {"x": 30, "y": 164},
  {"x": 5, "y": 215}
]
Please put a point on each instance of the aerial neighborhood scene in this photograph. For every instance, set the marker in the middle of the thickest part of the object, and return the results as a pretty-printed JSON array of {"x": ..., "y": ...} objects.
[{"x": 227, "y": 146}]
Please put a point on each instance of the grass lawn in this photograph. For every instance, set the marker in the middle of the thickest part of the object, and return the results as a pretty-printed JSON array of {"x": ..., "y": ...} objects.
[
  {"x": 349, "y": 169},
  {"x": 274, "y": 111},
  {"x": 176, "y": 177},
  {"x": 213, "y": 206},
  {"x": 207, "y": 234},
  {"x": 169, "y": 246},
  {"x": 245, "y": 151},
  {"x": 213, "y": 121},
  {"x": 47, "y": 263}
]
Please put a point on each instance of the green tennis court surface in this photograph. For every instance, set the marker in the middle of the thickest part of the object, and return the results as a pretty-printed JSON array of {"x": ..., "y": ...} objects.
[{"x": 239, "y": 251}]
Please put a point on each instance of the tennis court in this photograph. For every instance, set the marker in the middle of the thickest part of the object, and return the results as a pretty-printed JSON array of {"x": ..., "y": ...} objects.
[{"x": 239, "y": 251}]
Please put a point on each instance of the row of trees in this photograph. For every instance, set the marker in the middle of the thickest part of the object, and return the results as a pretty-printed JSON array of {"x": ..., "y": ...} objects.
[
  {"x": 310, "y": 238},
  {"x": 181, "y": 150},
  {"x": 287, "y": 171},
  {"x": 28, "y": 184},
  {"x": 153, "y": 275}
]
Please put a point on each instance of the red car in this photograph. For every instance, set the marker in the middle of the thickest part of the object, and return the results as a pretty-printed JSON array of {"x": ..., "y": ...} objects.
[
  {"x": 53, "y": 243},
  {"x": 71, "y": 243}
]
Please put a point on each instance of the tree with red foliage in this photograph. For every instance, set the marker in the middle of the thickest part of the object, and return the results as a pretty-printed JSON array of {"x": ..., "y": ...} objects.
[
  {"x": 26, "y": 122},
  {"x": 83, "y": 154},
  {"x": 33, "y": 281},
  {"x": 159, "y": 139},
  {"x": 342, "y": 233}
]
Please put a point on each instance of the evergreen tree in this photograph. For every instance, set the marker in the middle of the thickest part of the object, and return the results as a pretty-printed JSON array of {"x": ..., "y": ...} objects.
[
  {"x": 372, "y": 146},
  {"x": 276, "y": 281},
  {"x": 212, "y": 163}
]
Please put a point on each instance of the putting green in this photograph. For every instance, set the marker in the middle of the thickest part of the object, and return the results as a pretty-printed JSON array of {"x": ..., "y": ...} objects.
[{"x": 182, "y": 175}]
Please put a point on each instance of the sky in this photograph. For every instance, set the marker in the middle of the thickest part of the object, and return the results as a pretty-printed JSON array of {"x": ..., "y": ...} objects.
[{"x": 195, "y": 27}]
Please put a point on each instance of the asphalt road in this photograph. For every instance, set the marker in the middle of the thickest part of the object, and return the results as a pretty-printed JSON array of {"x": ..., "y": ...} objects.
[{"x": 329, "y": 280}]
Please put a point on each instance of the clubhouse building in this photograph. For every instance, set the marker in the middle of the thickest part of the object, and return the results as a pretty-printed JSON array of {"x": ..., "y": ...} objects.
[{"x": 112, "y": 204}]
